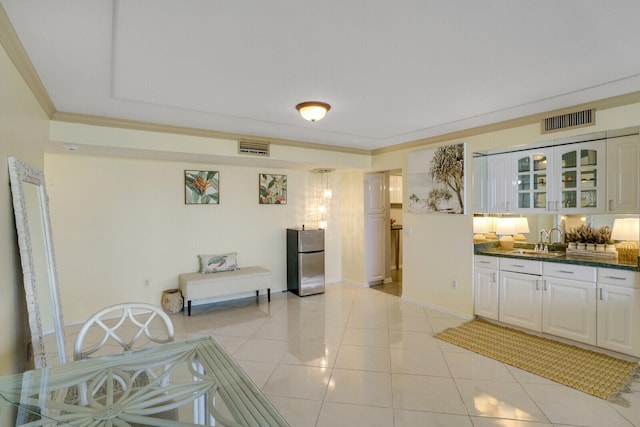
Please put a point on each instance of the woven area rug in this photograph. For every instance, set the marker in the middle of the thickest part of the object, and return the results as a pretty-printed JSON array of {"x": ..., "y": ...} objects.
[{"x": 598, "y": 374}]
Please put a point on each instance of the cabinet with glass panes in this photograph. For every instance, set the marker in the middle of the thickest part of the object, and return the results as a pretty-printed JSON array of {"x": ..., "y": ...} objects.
[{"x": 563, "y": 178}]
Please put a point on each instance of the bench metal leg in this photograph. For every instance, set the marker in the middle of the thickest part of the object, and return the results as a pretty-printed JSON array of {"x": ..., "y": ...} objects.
[
  {"x": 268, "y": 294},
  {"x": 189, "y": 307}
]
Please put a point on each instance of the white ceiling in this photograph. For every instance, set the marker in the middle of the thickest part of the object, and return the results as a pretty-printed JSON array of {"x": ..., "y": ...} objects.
[{"x": 393, "y": 72}]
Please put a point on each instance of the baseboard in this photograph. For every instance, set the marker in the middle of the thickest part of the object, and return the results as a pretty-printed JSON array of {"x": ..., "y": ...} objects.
[{"x": 438, "y": 308}]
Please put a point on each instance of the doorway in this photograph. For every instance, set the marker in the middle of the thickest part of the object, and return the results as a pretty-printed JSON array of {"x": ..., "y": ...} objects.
[{"x": 390, "y": 256}]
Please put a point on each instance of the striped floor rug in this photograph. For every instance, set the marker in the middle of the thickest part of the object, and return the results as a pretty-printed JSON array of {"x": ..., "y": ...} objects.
[{"x": 595, "y": 373}]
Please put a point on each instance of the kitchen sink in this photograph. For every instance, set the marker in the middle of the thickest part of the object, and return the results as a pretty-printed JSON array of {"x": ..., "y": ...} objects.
[{"x": 536, "y": 254}]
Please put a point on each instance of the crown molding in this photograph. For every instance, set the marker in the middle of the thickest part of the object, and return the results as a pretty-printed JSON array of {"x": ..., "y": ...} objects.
[
  {"x": 86, "y": 119},
  {"x": 15, "y": 50},
  {"x": 602, "y": 104}
]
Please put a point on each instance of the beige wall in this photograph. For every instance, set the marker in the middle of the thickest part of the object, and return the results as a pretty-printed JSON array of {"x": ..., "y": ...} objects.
[
  {"x": 23, "y": 132},
  {"x": 440, "y": 247},
  {"x": 120, "y": 221}
]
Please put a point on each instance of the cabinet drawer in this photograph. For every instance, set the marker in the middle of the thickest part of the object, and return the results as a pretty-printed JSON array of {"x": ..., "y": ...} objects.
[
  {"x": 521, "y": 266},
  {"x": 486, "y": 261},
  {"x": 569, "y": 271},
  {"x": 628, "y": 279}
]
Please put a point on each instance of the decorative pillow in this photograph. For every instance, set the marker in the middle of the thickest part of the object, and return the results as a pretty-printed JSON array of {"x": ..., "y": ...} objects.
[{"x": 217, "y": 263}]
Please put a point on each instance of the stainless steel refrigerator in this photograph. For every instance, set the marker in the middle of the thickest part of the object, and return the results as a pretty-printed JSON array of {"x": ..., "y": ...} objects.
[{"x": 305, "y": 261}]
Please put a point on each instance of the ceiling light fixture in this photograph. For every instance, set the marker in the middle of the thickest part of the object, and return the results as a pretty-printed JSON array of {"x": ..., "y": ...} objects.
[{"x": 313, "y": 110}]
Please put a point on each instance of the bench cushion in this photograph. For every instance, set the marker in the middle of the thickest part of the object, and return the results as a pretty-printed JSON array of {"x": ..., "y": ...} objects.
[{"x": 198, "y": 285}]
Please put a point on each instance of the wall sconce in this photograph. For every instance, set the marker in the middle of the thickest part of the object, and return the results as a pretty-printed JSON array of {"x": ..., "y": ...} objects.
[
  {"x": 627, "y": 230},
  {"x": 522, "y": 227},
  {"x": 313, "y": 110},
  {"x": 480, "y": 228},
  {"x": 506, "y": 228}
]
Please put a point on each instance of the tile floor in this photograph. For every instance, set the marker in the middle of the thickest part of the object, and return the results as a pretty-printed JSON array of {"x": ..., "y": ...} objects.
[{"x": 358, "y": 357}]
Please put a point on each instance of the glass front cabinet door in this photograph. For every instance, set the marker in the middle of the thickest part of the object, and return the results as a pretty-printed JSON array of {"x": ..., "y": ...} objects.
[
  {"x": 564, "y": 179},
  {"x": 534, "y": 174},
  {"x": 581, "y": 177}
]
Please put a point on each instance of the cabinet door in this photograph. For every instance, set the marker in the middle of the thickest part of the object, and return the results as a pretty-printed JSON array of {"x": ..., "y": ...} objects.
[
  {"x": 521, "y": 300},
  {"x": 618, "y": 319},
  {"x": 486, "y": 293},
  {"x": 499, "y": 183},
  {"x": 623, "y": 176},
  {"x": 580, "y": 182},
  {"x": 533, "y": 171},
  {"x": 569, "y": 309}
]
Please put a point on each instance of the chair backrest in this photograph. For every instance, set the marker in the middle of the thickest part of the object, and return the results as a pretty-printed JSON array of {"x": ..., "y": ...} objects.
[{"x": 123, "y": 327}]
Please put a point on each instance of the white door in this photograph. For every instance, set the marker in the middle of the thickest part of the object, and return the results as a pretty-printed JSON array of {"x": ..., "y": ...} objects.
[
  {"x": 569, "y": 309},
  {"x": 618, "y": 317},
  {"x": 499, "y": 183},
  {"x": 521, "y": 300},
  {"x": 376, "y": 227},
  {"x": 486, "y": 293},
  {"x": 623, "y": 164}
]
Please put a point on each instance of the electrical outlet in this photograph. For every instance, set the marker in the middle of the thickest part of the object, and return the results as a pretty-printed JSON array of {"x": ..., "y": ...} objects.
[
  {"x": 147, "y": 282},
  {"x": 454, "y": 284}
]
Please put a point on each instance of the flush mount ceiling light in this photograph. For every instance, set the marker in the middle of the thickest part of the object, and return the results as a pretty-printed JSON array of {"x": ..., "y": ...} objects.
[{"x": 313, "y": 110}]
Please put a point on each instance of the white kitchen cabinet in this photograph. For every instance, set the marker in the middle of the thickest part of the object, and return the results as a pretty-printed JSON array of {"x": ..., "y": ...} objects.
[
  {"x": 500, "y": 183},
  {"x": 565, "y": 178},
  {"x": 568, "y": 178},
  {"x": 623, "y": 175},
  {"x": 534, "y": 176},
  {"x": 521, "y": 300},
  {"x": 486, "y": 287},
  {"x": 619, "y": 311},
  {"x": 569, "y": 302},
  {"x": 520, "y": 296},
  {"x": 579, "y": 183}
]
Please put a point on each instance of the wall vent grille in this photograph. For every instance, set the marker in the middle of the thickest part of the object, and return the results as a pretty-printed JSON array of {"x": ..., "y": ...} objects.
[
  {"x": 256, "y": 148},
  {"x": 569, "y": 120}
]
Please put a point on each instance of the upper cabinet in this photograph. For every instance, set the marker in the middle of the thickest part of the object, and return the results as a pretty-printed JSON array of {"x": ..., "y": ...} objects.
[
  {"x": 580, "y": 182},
  {"x": 534, "y": 174},
  {"x": 623, "y": 175},
  {"x": 562, "y": 179}
]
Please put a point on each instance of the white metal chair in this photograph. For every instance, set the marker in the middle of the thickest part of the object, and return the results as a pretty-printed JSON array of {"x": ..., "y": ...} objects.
[
  {"x": 122, "y": 327},
  {"x": 129, "y": 325}
]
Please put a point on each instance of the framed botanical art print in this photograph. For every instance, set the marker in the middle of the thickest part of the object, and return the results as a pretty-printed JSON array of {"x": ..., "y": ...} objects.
[
  {"x": 272, "y": 189},
  {"x": 201, "y": 187}
]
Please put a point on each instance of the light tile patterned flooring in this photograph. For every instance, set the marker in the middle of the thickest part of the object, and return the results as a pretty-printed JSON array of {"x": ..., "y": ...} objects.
[{"x": 359, "y": 357}]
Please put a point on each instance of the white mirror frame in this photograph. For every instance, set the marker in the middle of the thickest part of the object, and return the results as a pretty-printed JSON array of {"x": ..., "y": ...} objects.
[{"x": 19, "y": 174}]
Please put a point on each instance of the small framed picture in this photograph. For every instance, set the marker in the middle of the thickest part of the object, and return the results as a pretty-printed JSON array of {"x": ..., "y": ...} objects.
[
  {"x": 272, "y": 189},
  {"x": 201, "y": 187}
]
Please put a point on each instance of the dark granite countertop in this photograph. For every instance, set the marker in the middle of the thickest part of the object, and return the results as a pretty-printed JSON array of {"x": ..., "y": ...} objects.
[{"x": 493, "y": 249}]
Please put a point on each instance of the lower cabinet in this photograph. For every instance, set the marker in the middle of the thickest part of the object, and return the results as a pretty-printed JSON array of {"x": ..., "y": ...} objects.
[
  {"x": 569, "y": 309},
  {"x": 486, "y": 287},
  {"x": 619, "y": 311},
  {"x": 595, "y": 306},
  {"x": 521, "y": 300}
]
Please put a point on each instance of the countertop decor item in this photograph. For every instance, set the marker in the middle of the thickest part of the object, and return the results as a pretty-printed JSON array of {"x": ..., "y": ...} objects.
[
  {"x": 627, "y": 230},
  {"x": 506, "y": 228},
  {"x": 594, "y": 373}
]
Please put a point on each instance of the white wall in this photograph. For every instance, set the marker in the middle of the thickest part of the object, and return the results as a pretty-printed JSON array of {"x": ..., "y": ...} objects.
[
  {"x": 118, "y": 221},
  {"x": 23, "y": 132},
  {"x": 440, "y": 247}
]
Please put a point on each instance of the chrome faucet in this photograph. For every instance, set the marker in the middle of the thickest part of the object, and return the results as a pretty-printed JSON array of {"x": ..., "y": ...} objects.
[
  {"x": 542, "y": 233},
  {"x": 550, "y": 234}
]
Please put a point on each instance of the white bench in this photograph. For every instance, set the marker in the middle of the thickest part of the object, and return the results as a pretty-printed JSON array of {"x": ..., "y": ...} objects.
[{"x": 196, "y": 286}]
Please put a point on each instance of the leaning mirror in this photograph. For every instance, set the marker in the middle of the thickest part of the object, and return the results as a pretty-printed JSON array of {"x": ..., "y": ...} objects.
[{"x": 31, "y": 211}]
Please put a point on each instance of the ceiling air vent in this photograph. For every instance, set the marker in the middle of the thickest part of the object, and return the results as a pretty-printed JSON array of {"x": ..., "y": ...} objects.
[
  {"x": 256, "y": 148},
  {"x": 569, "y": 120}
]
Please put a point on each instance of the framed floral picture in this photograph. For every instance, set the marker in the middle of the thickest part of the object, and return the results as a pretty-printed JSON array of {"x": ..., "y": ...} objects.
[
  {"x": 272, "y": 189},
  {"x": 201, "y": 187}
]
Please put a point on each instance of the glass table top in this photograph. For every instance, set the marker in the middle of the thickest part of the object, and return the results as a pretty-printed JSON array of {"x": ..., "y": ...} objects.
[{"x": 187, "y": 383}]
